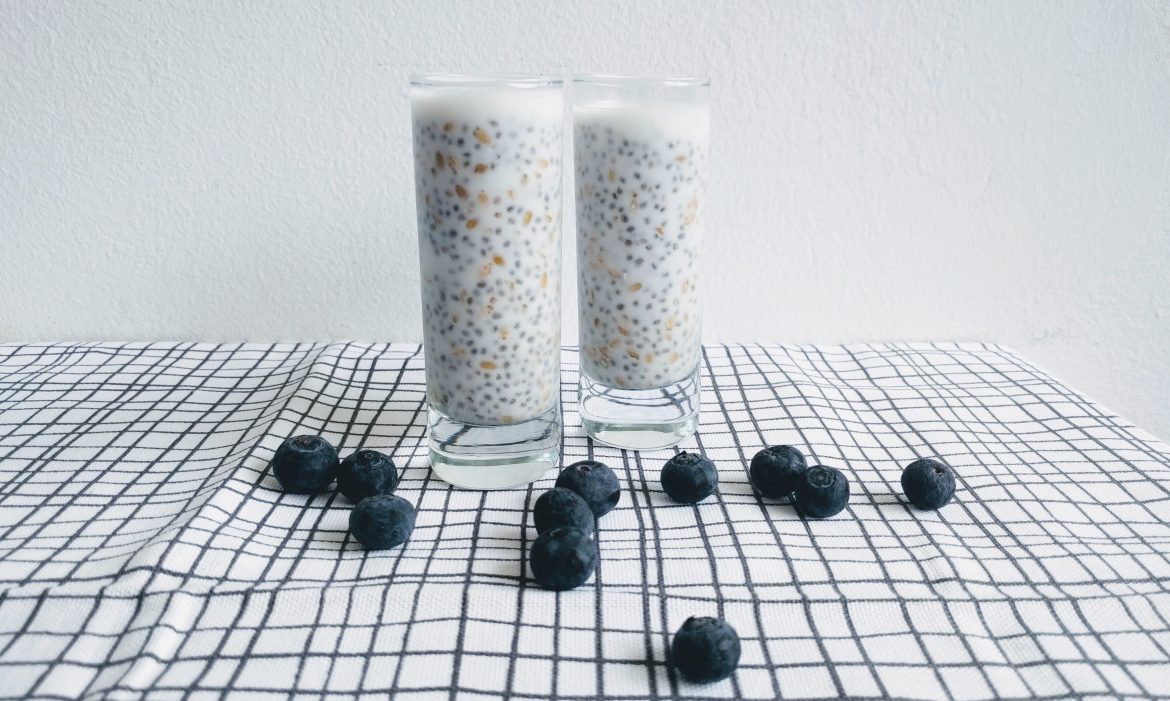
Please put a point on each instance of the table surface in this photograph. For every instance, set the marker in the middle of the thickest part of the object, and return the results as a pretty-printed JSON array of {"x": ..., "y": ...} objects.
[{"x": 145, "y": 549}]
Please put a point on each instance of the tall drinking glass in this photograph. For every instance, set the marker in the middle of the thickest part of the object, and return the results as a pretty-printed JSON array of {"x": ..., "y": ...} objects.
[
  {"x": 487, "y": 166},
  {"x": 641, "y": 146}
]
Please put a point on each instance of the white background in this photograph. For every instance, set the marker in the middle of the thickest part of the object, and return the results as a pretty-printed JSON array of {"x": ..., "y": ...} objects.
[{"x": 911, "y": 170}]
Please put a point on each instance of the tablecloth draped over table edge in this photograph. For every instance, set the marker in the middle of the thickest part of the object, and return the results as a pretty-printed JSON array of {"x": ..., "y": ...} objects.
[{"x": 145, "y": 550}]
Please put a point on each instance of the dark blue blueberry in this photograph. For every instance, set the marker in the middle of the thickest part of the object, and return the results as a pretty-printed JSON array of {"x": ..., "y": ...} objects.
[
  {"x": 366, "y": 473},
  {"x": 705, "y": 649},
  {"x": 689, "y": 477},
  {"x": 775, "y": 471},
  {"x": 382, "y": 521},
  {"x": 562, "y": 558},
  {"x": 304, "y": 464},
  {"x": 928, "y": 483},
  {"x": 594, "y": 482},
  {"x": 561, "y": 507},
  {"x": 822, "y": 492}
]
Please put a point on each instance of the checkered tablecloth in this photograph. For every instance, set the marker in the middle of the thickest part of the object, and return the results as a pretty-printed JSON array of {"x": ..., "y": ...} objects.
[{"x": 145, "y": 550}]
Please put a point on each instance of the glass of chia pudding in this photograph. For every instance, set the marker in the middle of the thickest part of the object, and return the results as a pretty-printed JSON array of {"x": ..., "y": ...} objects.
[
  {"x": 641, "y": 146},
  {"x": 487, "y": 166}
]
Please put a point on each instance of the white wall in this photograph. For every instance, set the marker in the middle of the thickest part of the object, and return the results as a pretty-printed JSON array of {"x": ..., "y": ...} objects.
[{"x": 905, "y": 170}]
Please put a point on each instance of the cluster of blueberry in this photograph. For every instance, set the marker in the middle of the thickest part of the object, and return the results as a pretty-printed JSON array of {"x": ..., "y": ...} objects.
[
  {"x": 564, "y": 554},
  {"x": 781, "y": 471},
  {"x": 821, "y": 492},
  {"x": 380, "y": 520},
  {"x": 817, "y": 492}
]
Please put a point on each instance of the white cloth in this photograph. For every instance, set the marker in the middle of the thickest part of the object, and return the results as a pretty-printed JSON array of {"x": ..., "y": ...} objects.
[{"x": 145, "y": 549}]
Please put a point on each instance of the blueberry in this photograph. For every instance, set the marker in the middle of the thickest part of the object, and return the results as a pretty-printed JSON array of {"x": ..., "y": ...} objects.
[
  {"x": 304, "y": 464},
  {"x": 928, "y": 483},
  {"x": 366, "y": 473},
  {"x": 705, "y": 649},
  {"x": 594, "y": 482},
  {"x": 563, "y": 558},
  {"x": 381, "y": 521},
  {"x": 689, "y": 477},
  {"x": 822, "y": 492},
  {"x": 561, "y": 507},
  {"x": 775, "y": 471}
]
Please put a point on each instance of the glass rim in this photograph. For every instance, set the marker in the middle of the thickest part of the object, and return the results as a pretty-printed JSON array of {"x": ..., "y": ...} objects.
[
  {"x": 485, "y": 80},
  {"x": 611, "y": 80}
]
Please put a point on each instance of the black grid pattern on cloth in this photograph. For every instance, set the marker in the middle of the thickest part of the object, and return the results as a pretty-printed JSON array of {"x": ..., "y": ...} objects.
[{"x": 145, "y": 549}]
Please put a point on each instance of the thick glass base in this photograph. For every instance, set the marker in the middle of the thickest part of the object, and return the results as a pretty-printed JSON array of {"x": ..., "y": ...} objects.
[
  {"x": 640, "y": 419},
  {"x": 493, "y": 457}
]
